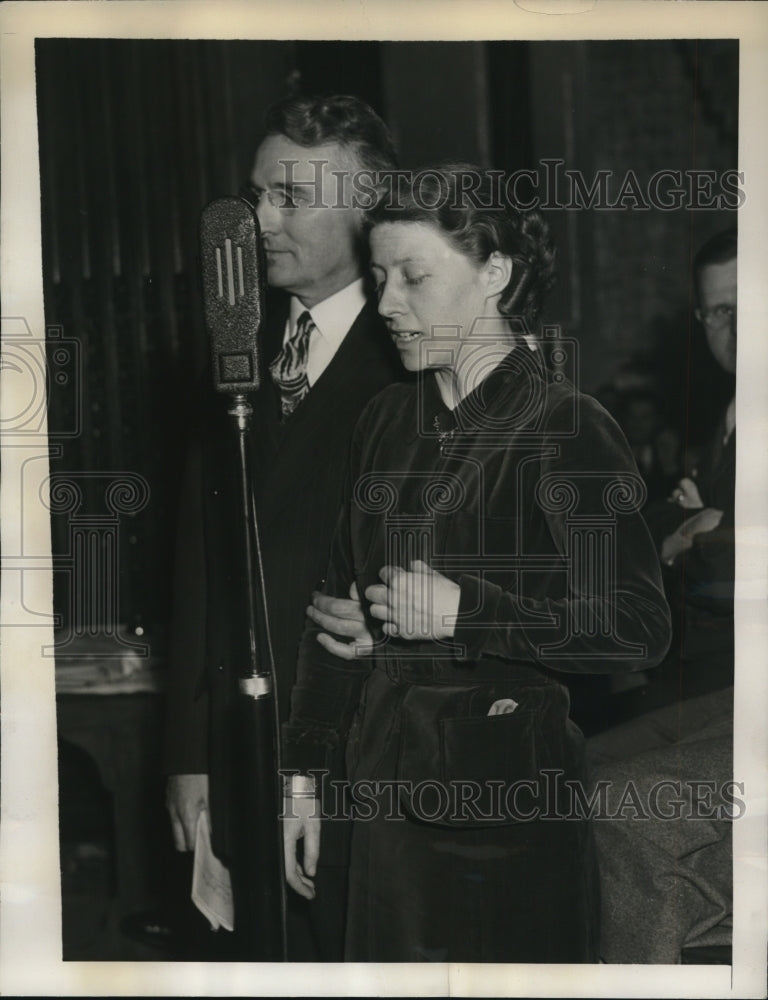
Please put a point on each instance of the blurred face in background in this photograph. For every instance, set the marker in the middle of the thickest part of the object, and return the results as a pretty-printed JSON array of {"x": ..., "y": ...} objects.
[
  {"x": 312, "y": 241},
  {"x": 717, "y": 311},
  {"x": 641, "y": 421}
]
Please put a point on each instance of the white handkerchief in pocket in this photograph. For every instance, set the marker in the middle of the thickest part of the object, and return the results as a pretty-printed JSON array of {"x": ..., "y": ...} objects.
[{"x": 502, "y": 707}]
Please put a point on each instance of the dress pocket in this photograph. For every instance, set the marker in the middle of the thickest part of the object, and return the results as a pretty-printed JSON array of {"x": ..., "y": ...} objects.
[
  {"x": 490, "y": 746},
  {"x": 485, "y": 760},
  {"x": 460, "y": 766}
]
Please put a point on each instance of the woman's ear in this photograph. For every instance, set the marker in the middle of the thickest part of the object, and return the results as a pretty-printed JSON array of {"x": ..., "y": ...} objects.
[{"x": 498, "y": 269}]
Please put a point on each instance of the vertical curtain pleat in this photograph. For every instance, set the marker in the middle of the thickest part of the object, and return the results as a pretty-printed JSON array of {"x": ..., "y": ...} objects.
[
  {"x": 135, "y": 138},
  {"x": 101, "y": 188}
]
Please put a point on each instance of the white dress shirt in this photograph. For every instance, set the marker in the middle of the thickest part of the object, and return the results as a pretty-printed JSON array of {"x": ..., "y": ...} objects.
[{"x": 333, "y": 318}]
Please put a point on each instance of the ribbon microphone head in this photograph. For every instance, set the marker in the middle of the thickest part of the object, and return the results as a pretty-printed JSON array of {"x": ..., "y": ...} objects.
[{"x": 233, "y": 290}]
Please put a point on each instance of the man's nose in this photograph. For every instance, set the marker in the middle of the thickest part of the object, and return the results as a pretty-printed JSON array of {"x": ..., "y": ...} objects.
[{"x": 268, "y": 215}]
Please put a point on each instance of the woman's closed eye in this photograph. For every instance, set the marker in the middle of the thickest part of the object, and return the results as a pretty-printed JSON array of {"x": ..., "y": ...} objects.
[{"x": 407, "y": 279}]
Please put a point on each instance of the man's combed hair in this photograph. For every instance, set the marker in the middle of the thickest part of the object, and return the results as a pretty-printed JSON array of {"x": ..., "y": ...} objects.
[
  {"x": 464, "y": 202},
  {"x": 717, "y": 250},
  {"x": 335, "y": 118}
]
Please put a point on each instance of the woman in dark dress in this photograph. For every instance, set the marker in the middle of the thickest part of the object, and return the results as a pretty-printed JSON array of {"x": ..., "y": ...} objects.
[{"x": 492, "y": 528}]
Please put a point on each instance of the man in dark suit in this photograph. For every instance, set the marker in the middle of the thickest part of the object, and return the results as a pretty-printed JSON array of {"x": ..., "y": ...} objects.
[
  {"x": 666, "y": 878},
  {"x": 324, "y": 356},
  {"x": 697, "y": 527}
]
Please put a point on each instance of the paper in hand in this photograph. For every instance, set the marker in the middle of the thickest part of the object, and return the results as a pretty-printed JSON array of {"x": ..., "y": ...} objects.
[{"x": 211, "y": 886}]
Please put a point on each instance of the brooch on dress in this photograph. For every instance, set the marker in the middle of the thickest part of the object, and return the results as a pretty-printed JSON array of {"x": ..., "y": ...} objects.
[{"x": 443, "y": 437}]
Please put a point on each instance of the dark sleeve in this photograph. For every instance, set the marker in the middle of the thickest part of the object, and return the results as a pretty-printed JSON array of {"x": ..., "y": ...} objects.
[
  {"x": 614, "y": 615},
  {"x": 708, "y": 567},
  {"x": 663, "y": 518},
  {"x": 186, "y": 732},
  {"x": 327, "y": 688}
]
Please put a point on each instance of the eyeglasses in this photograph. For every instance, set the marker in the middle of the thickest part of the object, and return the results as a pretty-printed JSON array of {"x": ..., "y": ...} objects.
[
  {"x": 286, "y": 201},
  {"x": 718, "y": 316}
]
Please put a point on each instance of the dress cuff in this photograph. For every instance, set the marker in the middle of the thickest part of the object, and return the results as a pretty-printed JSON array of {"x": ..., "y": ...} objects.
[{"x": 478, "y": 605}]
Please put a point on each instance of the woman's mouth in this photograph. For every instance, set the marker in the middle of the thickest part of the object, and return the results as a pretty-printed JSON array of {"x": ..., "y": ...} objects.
[{"x": 405, "y": 336}]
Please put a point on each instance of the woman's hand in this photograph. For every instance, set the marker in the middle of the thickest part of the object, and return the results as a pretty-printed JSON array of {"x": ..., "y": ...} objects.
[
  {"x": 345, "y": 617},
  {"x": 301, "y": 818},
  {"x": 416, "y": 604},
  {"x": 682, "y": 539},
  {"x": 687, "y": 495}
]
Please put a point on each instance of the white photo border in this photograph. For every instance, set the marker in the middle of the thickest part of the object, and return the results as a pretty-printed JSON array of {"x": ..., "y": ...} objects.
[{"x": 30, "y": 900}]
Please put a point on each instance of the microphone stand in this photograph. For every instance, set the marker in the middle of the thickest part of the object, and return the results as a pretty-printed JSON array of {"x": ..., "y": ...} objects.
[
  {"x": 259, "y": 893},
  {"x": 232, "y": 270}
]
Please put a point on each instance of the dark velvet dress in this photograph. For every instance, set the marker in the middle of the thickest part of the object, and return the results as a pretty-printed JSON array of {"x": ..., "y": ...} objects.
[{"x": 469, "y": 842}]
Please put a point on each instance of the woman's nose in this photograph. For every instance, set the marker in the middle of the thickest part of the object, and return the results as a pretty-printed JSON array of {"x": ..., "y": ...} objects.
[{"x": 390, "y": 303}]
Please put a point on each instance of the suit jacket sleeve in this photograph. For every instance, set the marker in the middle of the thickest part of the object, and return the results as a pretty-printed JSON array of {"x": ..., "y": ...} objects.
[
  {"x": 579, "y": 630},
  {"x": 709, "y": 567},
  {"x": 186, "y": 734},
  {"x": 327, "y": 688}
]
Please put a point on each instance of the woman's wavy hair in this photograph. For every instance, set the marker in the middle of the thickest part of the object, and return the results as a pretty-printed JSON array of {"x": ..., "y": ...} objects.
[{"x": 469, "y": 207}]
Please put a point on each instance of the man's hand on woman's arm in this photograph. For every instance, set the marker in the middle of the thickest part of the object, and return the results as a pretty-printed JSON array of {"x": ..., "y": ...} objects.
[{"x": 343, "y": 617}]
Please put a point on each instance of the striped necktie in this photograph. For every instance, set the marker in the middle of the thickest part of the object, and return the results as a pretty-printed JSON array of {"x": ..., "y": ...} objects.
[{"x": 289, "y": 369}]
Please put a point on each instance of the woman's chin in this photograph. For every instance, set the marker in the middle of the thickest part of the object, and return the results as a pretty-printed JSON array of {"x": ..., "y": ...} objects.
[
  {"x": 411, "y": 362},
  {"x": 410, "y": 356}
]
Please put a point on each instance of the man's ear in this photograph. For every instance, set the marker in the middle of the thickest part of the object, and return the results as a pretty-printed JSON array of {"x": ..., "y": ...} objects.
[{"x": 498, "y": 270}]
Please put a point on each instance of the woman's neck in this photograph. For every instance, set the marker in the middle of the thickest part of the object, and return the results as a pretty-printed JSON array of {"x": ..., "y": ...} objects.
[{"x": 474, "y": 362}]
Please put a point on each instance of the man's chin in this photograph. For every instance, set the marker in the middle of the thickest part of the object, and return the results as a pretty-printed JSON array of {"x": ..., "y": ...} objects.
[
  {"x": 278, "y": 275},
  {"x": 727, "y": 360}
]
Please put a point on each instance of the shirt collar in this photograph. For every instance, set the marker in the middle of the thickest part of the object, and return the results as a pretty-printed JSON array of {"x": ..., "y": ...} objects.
[{"x": 335, "y": 315}]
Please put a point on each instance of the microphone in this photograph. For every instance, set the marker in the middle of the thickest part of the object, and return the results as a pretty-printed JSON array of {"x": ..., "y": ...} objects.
[
  {"x": 233, "y": 291},
  {"x": 233, "y": 270}
]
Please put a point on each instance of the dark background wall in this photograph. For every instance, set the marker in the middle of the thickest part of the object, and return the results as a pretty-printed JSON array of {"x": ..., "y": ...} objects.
[{"x": 136, "y": 136}]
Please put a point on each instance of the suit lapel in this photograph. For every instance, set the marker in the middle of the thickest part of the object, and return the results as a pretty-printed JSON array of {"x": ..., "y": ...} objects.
[{"x": 304, "y": 436}]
